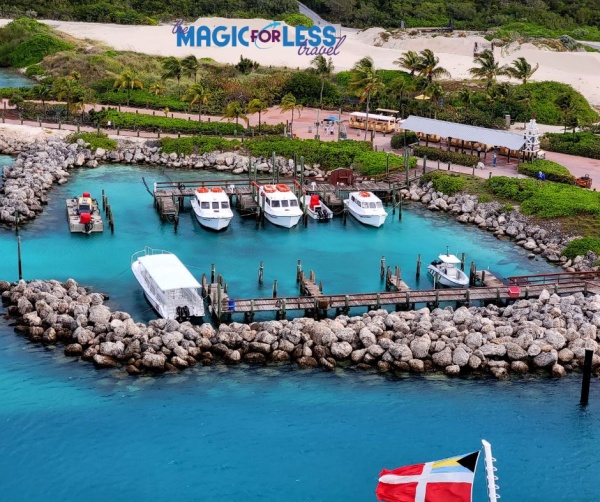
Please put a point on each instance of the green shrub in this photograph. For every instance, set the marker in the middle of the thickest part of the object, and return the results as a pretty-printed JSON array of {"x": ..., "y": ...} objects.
[
  {"x": 447, "y": 183},
  {"x": 485, "y": 197},
  {"x": 197, "y": 145},
  {"x": 96, "y": 140},
  {"x": 373, "y": 163},
  {"x": 580, "y": 247},
  {"x": 34, "y": 70},
  {"x": 402, "y": 139},
  {"x": 462, "y": 159},
  {"x": 144, "y": 122},
  {"x": 296, "y": 19},
  {"x": 546, "y": 200},
  {"x": 35, "y": 49},
  {"x": 552, "y": 170},
  {"x": 583, "y": 144}
]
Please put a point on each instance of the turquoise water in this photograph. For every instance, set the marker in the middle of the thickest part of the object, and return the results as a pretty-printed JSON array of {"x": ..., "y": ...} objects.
[
  {"x": 345, "y": 258},
  {"x": 257, "y": 434},
  {"x": 13, "y": 79}
]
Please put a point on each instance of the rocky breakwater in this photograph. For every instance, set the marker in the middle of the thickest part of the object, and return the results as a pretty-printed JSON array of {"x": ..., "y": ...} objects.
[
  {"x": 539, "y": 239},
  {"x": 549, "y": 335}
]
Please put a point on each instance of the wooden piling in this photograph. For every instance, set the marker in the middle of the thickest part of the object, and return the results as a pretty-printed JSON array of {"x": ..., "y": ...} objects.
[
  {"x": 418, "y": 266},
  {"x": 382, "y": 268},
  {"x": 298, "y": 271},
  {"x": 19, "y": 257},
  {"x": 462, "y": 262},
  {"x": 587, "y": 374},
  {"x": 275, "y": 288},
  {"x": 212, "y": 273},
  {"x": 261, "y": 270}
]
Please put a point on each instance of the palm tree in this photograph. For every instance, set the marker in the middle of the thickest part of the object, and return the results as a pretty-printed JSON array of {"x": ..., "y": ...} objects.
[
  {"x": 567, "y": 107},
  {"x": 190, "y": 66},
  {"x": 398, "y": 87},
  {"x": 521, "y": 69},
  {"x": 157, "y": 88},
  {"x": 288, "y": 102},
  {"x": 66, "y": 87},
  {"x": 234, "y": 110},
  {"x": 503, "y": 93},
  {"x": 323, "y": 68},
  {"x": 465, "y": 96},
  {"x": 172, "y": 69},
  {"x": 42, "y": 91},
  {"x": 409, "y": 61},
  {"x": 197, "y": 94},
  {"x": 365, "y": 82},
  {"x": 257, "y": 106},
  {"x": 128, "y": 80},
  {"x": 428, "y": 66},
  {"x": 488, "y": 68},
  {"x": 434, "y": 91}
]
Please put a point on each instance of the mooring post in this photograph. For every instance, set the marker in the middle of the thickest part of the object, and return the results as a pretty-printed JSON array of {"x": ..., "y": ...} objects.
[
  {"x": 17, "y": 222},
  {"x": 344, "y": 216},
  {"x": 220, "y": 279},
  {"x": 418, "y": 266},
  {"x": 275, "y": 288},
  {"x": 261, "y": 270},
  {"x": 382, "y": 268},
  {"x": 103, "y": 200},
  {"x": 275, "y": 170},
  {"x": 435, "y": 280},
  {"x": 302, "y": 170},
  {"x": 346, "y": 304},
  {"x": 298, "y": 270},
  {"x": 587, "y": 373},
  {"x": 283, "y": 309},
  {"x": 437, "y": 298},
  {"x": 321, "y": 286},
  {"x": 424, "y": 163},
  {"x": 19, "y": 255},
  {"x": 483, "y": 277},
  {"x": 462, "y": 262},
  {"x": 212, "y": 273},
  {"x": 400, "y": 208},
  {"x": 219, "y": 303}
]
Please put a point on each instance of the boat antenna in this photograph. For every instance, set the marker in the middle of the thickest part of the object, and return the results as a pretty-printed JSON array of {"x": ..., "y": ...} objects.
[{"x": 490, "y": 471}]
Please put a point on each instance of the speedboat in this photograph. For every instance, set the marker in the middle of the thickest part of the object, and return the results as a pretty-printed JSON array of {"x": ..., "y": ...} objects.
[
  {"x": 280, "y": 205},
  {"x": 168, "y": 285},
  {"x": 315, "y": 208},
  {"x": 444, "y": 271},
  {"x": 84, "y": 215},
  {"x": 366, "y": 207},
  {"x": 212, "y": 209}
]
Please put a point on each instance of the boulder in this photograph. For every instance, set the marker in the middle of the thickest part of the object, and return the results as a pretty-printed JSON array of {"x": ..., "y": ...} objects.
[
  {"x": 104, "y": 361},
  {"x": 154, "y": 361},
  {"x": 341, "y": 350}
]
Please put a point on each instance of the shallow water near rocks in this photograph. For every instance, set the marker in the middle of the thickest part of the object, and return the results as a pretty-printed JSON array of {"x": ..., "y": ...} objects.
[
  {"x": 220, "y": 433},
  {"x": 13, "y": 79}
]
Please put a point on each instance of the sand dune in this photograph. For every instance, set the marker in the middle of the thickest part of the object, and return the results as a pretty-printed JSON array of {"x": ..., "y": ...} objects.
[{"x": 579, "y": 69}]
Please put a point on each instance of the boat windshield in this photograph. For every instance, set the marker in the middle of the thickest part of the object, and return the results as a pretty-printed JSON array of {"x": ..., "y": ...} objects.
[
  {"x": 284, "y": 203},
  {"x": 215, "y": 205},
  {"x": 224, "y": 205},
  {"x": 275, "y": 203},
  {"x": 293, "y": 203},
  {"x": 84, "y": 208},
  {"x": 372, "y": 205},
  {"x": 205, "y": 205},
  {"x": 365, "y": 204},
  {"x": 379, "y": 204}
]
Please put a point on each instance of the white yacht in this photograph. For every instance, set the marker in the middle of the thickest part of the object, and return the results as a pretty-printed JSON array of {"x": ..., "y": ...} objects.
[
  {"x": 366, "y": 207},
  {"x": 168, "y": 285},
  {"x": 212, "y": 208},
  {"x": 444, "y": 271},
  {"x": 280, "y": 205},
  {"x": 315, "y": 208}
]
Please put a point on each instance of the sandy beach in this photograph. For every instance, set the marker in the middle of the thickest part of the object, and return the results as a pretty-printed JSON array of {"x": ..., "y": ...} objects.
[{"x": 579, "y": 69}]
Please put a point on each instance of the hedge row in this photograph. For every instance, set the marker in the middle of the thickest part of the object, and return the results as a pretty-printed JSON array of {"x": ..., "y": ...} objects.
[
  {"x": 448, "y": 183},
  {"x": 462, "y": 159},
  {"x": 197, "y": 144},
  {"x": 583, "y": 144},
  {"x": 552, "y": 170},
  {"x": 144, "y": 122},
  {"x": 373, "y": 163},
  {"x": 402, "y": 139},
  {"x": 96, "y": 140}
]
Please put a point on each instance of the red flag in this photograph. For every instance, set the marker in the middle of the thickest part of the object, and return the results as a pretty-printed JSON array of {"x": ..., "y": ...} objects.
[{"x": 449, "y": 480}]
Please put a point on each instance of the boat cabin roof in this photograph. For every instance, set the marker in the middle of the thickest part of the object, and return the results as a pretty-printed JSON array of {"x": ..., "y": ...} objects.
[
  {"x": 168, "y": 272},
  {"x": 367, "y": 198},
  {"x": 449, "y": 258}
]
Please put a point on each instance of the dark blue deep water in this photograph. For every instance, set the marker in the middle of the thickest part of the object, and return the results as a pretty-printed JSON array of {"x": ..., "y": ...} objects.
[{"x": 71, "y": 432}]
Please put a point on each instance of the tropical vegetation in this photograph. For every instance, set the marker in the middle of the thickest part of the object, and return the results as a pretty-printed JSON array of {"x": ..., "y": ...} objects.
[{"x": 552, "y": 171}]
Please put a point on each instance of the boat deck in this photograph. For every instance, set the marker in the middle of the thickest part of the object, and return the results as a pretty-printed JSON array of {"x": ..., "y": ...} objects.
[{"x": 97, "y": 225}]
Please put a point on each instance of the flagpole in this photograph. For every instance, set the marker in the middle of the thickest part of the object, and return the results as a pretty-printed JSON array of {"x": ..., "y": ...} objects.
[{"x": 490, "y": 471}]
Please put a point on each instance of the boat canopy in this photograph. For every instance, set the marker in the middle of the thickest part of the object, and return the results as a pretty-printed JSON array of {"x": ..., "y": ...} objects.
[
  {"x": 168, "y": 272},
  {"x": 449, "y": 258}
]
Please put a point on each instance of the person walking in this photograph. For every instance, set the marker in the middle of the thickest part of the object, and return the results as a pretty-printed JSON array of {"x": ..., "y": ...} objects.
[{"x": 494, "y": 160}]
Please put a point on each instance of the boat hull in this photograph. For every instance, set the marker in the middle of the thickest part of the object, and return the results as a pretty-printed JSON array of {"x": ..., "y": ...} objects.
[
  {"x": 460, "y": 282},
  {"x": 214, "y": 223},
  {"x": 283, "y": 221},
  {"x": 372, "y": 220}
]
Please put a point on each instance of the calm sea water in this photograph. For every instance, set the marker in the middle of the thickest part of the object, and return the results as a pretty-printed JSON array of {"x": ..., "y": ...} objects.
[
  {"x": 70, "y": 432},
  {"x": 13, "y": 79}
]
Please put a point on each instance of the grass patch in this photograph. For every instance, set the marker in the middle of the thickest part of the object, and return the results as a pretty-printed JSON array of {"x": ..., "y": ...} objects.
[
  {"x": 580, "y": 247},
  {"x": 584, "y": 144},
  {"x": 374, "y": 163},
  {"x": 197, "y": 145},
  {"x": 96, "y": 140},
  {"x": 552, "y": 170}
]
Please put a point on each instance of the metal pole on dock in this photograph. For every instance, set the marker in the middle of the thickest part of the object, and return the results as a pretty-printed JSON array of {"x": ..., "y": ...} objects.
[
  {"x": 19, "y": 256},
  {"x": 212, "y": 273},
  {"x": 298, "y": 271},
  {"x": 275, "y": 288},
  {"x": 302, "y": 171},
  {"x": 418, "y": 266},
  {"x": 219, "y": 303},
  {"x": 472, "y": 274},
  {"x": 400, "y": 209},
  {"x": 587, "y": 373},
  {"x": 17, "y": 222},
  {"x": 462, "y": 262},
  {"x": 275, "y": 170},
  {"x": 261, "y": 270},
  {"x": 103, "y": 200},
  {"x": 382, "y": 268}
]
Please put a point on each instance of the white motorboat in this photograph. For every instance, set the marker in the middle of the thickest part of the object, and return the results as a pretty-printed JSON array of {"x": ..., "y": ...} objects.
[
  {"x": 444, "y": 271},
  {"x": 366, "y": 207},
  {"x": 315, "y": 208},
  {"x": 84, "y": 214},
  {"x": 212, "y": 208},
  {"x": 168, "y": 285},
  {"x": 280, "y": 205}
]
